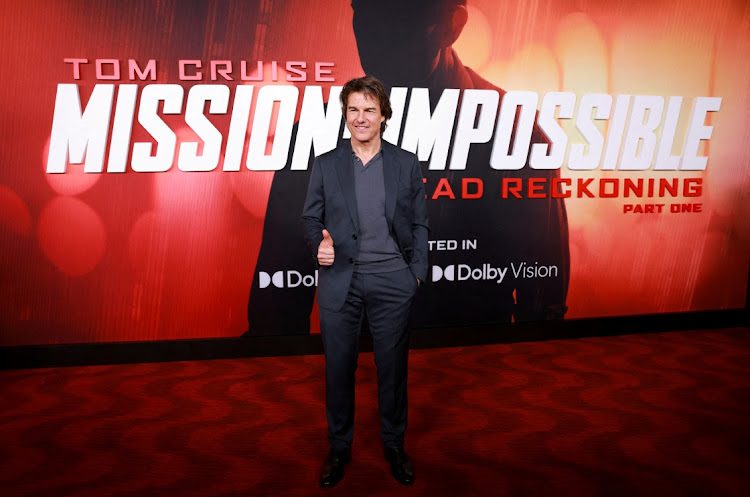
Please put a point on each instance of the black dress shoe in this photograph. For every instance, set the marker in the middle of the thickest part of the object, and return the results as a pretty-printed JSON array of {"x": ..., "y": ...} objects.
[
  {"x": 332, "y": 470},
  {"x": 401, "y": 467}
]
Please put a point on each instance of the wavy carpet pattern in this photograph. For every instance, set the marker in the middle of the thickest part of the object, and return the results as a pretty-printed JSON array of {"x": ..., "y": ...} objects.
[{"x": 663, "y": 414}]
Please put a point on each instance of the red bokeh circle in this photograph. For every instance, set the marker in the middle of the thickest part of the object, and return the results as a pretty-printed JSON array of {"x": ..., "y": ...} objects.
[{"x": 71, "y": 235}]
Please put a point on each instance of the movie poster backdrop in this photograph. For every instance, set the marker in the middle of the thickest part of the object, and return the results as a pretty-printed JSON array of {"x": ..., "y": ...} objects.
[{"x": 581, "y": 158}]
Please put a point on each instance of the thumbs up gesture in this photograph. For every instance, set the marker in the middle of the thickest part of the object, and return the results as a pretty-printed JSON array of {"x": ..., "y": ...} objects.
[{"x": 325, "y": 250}]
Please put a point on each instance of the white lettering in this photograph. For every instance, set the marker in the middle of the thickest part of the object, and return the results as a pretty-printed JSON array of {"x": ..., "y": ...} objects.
[
  {"x": 514, "y": 102},
  {"x": 148, "y": 117},
  {"x": 287, "y": 96},
  {"x": 189, "y": 160},
  {"x": 486, "y": 101},
  {"x": 425, "y": 134},
  {"x": 80, "y": 133},
  {"x": 697, "y": 131}
]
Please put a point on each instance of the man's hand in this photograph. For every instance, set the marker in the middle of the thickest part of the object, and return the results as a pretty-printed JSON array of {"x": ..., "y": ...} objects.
[{"x": 325, "y": 250}]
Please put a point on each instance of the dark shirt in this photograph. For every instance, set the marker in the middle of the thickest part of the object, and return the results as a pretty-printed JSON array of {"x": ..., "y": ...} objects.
[{"x": 378, "y": 252}]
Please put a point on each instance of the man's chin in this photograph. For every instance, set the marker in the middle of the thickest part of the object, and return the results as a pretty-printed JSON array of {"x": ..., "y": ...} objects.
[
  {"x": 364, "y": 140},
  {"x": 391, "y": 78},
  {"x": 400, "y": 70}
]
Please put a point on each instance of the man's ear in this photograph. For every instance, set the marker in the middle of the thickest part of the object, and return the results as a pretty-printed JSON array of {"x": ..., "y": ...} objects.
[
  {"x": 459, "y": 16},
  {"x": 448, "y": 27}
]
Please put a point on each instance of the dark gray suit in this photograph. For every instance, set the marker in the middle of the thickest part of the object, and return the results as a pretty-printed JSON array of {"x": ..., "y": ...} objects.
[{"x": 344, "y": 295}]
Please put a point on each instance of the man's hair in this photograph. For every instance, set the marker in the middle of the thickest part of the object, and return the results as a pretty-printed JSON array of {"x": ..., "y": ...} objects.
[
  {"x": 371, "y": 86},
  {"x": 428, "y": 10}
]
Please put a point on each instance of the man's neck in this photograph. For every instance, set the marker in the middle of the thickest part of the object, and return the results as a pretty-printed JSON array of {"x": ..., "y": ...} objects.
[{"x": 366, "y": 150}]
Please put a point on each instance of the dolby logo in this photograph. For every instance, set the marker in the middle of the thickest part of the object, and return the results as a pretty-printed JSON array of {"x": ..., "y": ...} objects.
[
  {"x": 287, "y": 279},
  {"x": 464, "y": 272}
]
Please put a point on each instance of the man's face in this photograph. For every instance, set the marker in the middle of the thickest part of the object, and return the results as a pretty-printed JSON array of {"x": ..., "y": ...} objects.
[
  {"x": 393, "y": 40},
  {"x": 363, "y": 118}
]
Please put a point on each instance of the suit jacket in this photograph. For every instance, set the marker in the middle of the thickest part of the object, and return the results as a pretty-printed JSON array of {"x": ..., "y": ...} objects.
[{"x": 331, "y": 204}]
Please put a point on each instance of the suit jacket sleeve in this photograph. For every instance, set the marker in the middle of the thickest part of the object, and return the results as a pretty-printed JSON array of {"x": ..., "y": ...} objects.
[
  {"x": 313, "y": 212},
  {"x": 420, "y": 226}
]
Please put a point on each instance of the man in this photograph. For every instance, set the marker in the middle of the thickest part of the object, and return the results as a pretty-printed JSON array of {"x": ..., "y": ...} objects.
[
  {"x": 409, "y": 44},
  {"x": 365, "y": 220}
]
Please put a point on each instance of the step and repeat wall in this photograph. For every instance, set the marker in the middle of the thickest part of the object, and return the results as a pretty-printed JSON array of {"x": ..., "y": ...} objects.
[{"x": 581, "y": 158}]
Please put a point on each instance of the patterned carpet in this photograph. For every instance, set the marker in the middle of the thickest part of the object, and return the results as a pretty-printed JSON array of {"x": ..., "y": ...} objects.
[{"x": 639, "y": 415}]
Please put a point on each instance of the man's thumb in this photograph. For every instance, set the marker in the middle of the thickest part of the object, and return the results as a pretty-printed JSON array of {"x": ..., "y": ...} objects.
[{"x": 327, "y": 237}]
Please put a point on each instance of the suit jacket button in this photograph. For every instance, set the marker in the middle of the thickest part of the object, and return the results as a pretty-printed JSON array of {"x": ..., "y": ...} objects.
[
  {"x": 351, "y": 261},
  {"x": 354, "y": 236}
]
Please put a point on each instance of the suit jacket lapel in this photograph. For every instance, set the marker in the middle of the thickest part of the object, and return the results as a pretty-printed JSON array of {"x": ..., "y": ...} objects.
[
  {"x": 391, "y": 172},
  {"x": 346, "y": 181}
]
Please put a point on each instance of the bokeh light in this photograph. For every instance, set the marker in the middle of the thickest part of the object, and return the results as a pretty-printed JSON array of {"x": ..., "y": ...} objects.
[
  {"x": 71, "y": 235},
  {"x": 475, "y": 42},
  {"x": 73, "y": 182}
]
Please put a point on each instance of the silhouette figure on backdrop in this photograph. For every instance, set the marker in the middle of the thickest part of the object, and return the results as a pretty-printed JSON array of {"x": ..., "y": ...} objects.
[{"x": 409, "y": 44}]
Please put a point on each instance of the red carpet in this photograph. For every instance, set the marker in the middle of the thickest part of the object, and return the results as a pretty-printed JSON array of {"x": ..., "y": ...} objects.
[{"x": 656, "y": 414}]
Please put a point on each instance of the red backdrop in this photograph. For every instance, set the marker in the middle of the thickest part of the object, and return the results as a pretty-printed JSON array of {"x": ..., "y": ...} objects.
[{"x": 140, "y": 256}]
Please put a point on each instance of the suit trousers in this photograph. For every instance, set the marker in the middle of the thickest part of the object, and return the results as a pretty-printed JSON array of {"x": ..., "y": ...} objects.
[{"x": 386, "y": 299}]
